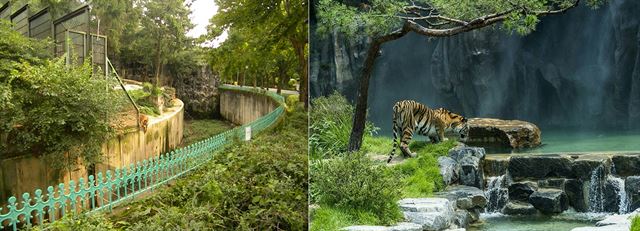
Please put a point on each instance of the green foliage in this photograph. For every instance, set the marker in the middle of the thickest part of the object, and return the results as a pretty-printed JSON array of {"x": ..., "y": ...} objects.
[
  {"x": 16, "y": 49},
  {"x": 292, "y": 101},
  {"x": 56, "y": 111},
  {"x": 379, "y": 17},
  {"x": 266, "y": 44},
  {"x": 256, "y": 185},
  {"x": 329, "y": 218},
  {"x": 81, "y": 221},
  {"x": 421, "y": 176},
  {"x": 331, "y": 121},
  {"x": 635, "y": 223},
  {"x": 355, "y": 182},
  {"x": 146, "y": 98},
  {"x": 196, "y": 130}
]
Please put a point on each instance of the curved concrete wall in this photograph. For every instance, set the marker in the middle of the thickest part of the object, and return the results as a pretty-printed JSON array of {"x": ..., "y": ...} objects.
[
  {"x": 26, "y": 173},
  {"x": 242, "y": 107}
]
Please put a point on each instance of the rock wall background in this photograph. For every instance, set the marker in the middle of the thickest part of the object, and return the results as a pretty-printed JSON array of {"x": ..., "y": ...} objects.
[{"x": 577, "y": 70}]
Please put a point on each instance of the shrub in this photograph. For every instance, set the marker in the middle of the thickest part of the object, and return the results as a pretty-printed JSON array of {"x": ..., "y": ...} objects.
[
  {"x": 331, "y": 121},
  {"x": 635, "y": 223},
  {"x": 16, "y": 49},
  {"x": 255, "y": 185},
  {"x": 81, "y": 221},
  {"x": 57, "y": 111},
  {"x": 292, "y": 101},
  {"x": 355, "y": 182}
]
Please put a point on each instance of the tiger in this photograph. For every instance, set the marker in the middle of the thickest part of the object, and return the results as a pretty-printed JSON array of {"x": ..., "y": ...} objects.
[
  {"x": 410, "y": 116},
  {"x": 144, "y": 122}
]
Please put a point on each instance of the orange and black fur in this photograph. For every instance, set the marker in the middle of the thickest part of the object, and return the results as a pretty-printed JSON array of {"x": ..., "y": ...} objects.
[{"x": 410, "y": 116}]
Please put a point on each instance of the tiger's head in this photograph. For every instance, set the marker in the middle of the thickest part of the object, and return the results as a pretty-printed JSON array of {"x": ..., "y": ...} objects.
[{"x": 459, "y": 125}]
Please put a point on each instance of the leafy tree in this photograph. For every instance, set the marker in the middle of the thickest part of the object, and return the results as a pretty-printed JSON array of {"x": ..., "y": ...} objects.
[
  {"x": 381, "y": 21},
  {"x": 268, "y": 23}
]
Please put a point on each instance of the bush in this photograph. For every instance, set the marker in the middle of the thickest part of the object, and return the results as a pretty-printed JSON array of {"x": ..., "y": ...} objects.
[
  {"x": 82, "y": 221},
  {"x": 331, "y": 122},
  {"x": 57, "y": 111},
  {"x": 292, "y": 102},
  {"x": 355, "y": 182},
  {"x": 16, "y": 49},
  {"x": 635, "y": 223}
]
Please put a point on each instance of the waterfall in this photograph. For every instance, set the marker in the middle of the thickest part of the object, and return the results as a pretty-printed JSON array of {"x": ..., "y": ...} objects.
[
  {"x": 618, "y": 184},
  {"x": 497, "y": 196},
  {"x": 596, "y": 190}
]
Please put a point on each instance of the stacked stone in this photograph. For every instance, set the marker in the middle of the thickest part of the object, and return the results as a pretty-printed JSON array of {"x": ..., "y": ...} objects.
[{"x": 551, "y": 184}]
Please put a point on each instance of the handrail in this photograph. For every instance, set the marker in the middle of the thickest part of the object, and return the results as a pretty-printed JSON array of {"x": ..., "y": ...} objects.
[{"x": 109, "y": 189}]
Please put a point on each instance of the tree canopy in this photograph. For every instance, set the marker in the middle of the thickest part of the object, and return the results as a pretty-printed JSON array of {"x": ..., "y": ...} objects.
[{"x": 263, "y": 38}]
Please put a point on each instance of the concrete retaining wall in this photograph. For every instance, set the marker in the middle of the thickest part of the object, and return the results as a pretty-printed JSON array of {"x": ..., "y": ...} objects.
[
  {"x": 241, "y": 107},
  {"x": 26, "y": 173}
]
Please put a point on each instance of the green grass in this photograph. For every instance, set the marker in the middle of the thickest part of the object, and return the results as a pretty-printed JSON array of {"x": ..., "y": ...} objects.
[
  {"x": 635, "y": 223},
  {"x": 421, "y": 175},
  {"x": 196, "y": 130},
  {"x": 327, "y": 218}
]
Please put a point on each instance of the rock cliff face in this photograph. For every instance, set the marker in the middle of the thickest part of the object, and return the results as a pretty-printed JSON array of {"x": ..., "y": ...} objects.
[
  {"x": 580, "y": 69},
  {"x": 199, "y": 92}
]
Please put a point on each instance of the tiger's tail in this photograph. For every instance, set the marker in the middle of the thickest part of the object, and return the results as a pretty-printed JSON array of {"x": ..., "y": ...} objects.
[{"x": 395, "y": 132}]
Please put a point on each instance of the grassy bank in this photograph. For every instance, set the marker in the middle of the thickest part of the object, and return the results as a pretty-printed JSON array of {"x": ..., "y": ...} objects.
[
  {"x": 256, "y": 185},
  {"x": 197, "y": 130},
  {"x": 417, "y": 177}
]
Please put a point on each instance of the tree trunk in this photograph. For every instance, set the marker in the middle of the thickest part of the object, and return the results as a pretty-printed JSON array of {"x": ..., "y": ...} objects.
[
  {"x": 158, "y": 61},
  {"x": 360, "y": 114},
  {"x": 298, "y": 46}
]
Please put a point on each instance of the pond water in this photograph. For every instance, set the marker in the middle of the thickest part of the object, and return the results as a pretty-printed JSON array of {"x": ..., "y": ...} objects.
[
  {"x": 562, "y": 222},
  {"x": 555, "y": 141}
]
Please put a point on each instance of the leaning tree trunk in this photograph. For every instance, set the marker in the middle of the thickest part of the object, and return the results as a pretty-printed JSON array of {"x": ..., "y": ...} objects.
[{"x": 360, "y": 114}]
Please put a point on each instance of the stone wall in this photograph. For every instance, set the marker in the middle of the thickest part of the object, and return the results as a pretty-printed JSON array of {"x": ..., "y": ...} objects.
[
  {"x": 26, "y": 173},
  {"x": 241, "y": 107},
  {"x": 550, "y": 183}
]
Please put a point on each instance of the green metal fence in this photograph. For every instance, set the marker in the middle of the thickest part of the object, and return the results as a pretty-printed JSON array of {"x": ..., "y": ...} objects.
[{"x": 108, "y": 189}]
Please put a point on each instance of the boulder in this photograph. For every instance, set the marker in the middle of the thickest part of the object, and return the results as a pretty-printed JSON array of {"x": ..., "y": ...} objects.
[
  {"x": 469, "y": 161},
  {"x": 575, "y": 190},
  {"x": 430, "y": 213},
  {"x": 448, "y": 169},
  {"x": 549, "y": 201},
  {"x": 462, "y": 218},
  {"x": 465, "y": 197},
  {"x": 402, "y": 226},
  {"x": 520, "y": 191},
  {"x": 540, "y": 167},
  {"x": 632, "y": 187},
  {"x": 557, "y": 183},
  {"x": 429, "y": 220},
  {"x": 519, "y": 208},
  {"x": 583, "y": 168},
  {"x": 495, "y": 166},
  {"x": 503, "y": 133},
  {"x": 626, "y": 164}
]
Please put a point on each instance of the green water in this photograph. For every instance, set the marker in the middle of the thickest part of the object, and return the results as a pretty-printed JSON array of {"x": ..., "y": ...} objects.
[
  {"x": 562, "y": 222},
  {"x": 581, "y": 141}
]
